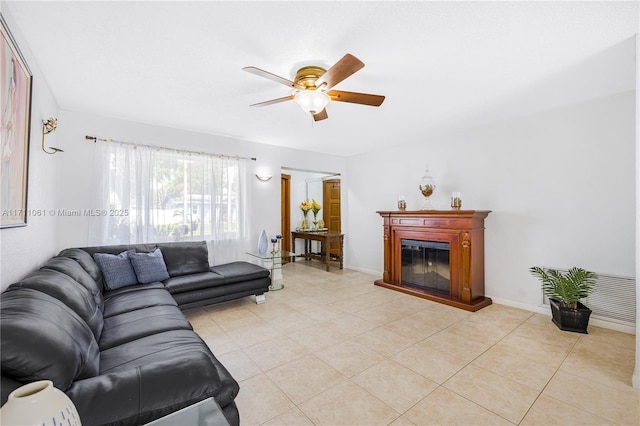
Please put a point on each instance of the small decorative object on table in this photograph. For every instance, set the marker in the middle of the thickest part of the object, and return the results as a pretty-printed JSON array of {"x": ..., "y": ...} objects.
[
  {"x": 279, "y": 238},
  {"x": 427, "y": 186},
  {"x": 315, "y": 207},
  {"x": 39, "y": 403},
  {"x": 274, "y": 241},
  {"x": 402, "y": 203},
  {"x": 263, "y": 243},
  {"x": 456, "y": 201},
  {"x": 305, "y": 206}
]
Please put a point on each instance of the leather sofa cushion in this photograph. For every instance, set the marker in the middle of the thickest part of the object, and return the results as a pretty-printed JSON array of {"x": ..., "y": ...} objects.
[
  {"x": 193, "y": 282},
  {"x": 154, "y": 389},
  {"x": 240, "y": 271},
  {"x": 68, "y": 291},
  {"x": 209, "y": 294},
  {"x": 133, "y": 325},
  {"x": 168, "y": 345},
  {"x": 85, "y": 260},
  {"x": 73, "y": 269},
  {"x": 136, "y": 297},
  {"x": 42, "y": 339},
  {"x": 149, "y": 350},
  {"x": 217, "y": 294},
  {"x": 185, "y": 258}
]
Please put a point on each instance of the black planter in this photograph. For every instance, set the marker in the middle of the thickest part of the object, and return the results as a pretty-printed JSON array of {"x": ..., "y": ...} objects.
[{"x": 569, "y": 319}]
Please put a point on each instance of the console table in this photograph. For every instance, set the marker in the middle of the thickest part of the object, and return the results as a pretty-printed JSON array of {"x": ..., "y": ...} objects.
[
  {"x": 325, "y": 238},
  {"x": 460, "y": 232}
]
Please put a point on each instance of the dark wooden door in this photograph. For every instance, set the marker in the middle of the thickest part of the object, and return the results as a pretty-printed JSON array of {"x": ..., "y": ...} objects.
[{"x": 331, "y": 210}]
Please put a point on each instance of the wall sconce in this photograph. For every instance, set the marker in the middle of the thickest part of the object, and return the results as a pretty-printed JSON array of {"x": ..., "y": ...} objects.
[
  {"x": 264, "y": 177},
  {"x": 49, "y": 126}
]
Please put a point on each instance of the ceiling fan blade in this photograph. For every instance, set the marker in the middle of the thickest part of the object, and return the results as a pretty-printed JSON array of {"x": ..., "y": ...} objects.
[
  {"x": 272, "y": 77},
  {"x": 356, "y": 98},
  {"x": 322, "y": 115},
  {"x": 342, "y": 69},
  {"x": 273, "y": 101}
]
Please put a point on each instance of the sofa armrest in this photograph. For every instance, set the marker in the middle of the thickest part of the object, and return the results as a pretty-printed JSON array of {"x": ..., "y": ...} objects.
[{"x": 139, "y": 395}]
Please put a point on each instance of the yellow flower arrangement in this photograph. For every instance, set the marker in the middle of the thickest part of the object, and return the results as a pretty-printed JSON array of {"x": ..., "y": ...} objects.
[
  {"x": 305, "y": 206},
  {"x": 315, "y": 207}
]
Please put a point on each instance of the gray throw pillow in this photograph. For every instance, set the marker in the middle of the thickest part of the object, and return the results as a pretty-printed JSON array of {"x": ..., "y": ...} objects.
[
  {"x": 149, "y": 267},
  {"x": 116, "y": 269}
]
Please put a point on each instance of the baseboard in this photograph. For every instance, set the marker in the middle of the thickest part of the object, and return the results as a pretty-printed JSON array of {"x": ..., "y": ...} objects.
[
  {"x": 365, "y": 270},
  {"x": 545, "y": 310}
]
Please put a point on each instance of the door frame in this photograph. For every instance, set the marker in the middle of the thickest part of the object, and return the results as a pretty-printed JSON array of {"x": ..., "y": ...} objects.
[{"x": 285, "y": 210}]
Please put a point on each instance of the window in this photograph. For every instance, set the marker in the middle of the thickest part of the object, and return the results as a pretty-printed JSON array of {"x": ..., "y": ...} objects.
[{"x": 159, "y": 195}]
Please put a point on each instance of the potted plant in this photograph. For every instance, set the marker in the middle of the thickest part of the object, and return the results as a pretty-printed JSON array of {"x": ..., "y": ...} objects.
[{"x": 565, "y": 292}]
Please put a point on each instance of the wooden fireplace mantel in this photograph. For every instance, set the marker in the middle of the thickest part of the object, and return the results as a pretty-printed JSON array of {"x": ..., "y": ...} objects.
[{"x": 462, "y": 229}]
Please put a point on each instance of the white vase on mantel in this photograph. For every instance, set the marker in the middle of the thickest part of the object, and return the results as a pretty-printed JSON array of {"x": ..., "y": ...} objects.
[{"x": 39, "y": 403}]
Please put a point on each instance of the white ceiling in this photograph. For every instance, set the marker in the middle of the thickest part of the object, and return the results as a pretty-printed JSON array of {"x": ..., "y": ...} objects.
[{"x": 441, "y": 65}]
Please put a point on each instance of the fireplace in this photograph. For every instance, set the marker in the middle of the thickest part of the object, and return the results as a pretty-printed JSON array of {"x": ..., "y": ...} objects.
[
  {"x": 425, "y": 265},
  {"x": 437, "y": 255}
]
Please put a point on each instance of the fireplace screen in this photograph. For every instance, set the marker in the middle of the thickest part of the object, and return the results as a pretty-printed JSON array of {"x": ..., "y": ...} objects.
[{"x": 425, "y": 264}]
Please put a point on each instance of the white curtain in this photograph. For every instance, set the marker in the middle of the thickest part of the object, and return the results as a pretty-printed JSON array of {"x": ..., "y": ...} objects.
[{"x": 159, "y": 195}]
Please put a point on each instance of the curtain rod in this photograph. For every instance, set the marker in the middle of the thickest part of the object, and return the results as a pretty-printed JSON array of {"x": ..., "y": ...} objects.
[{"x": 96, "y": 139}]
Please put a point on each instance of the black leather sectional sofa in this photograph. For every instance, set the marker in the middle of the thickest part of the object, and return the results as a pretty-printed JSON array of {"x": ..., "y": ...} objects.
[{"x": 125, "y": 356}]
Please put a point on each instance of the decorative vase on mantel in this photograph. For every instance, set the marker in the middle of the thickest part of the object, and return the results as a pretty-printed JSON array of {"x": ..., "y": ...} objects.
[
  {"x": 39, "y": 403},
  {"x": 427, "y": 186}
]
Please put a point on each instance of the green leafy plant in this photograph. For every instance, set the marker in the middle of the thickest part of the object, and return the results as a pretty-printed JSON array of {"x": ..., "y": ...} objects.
[{"x": 567, "y": 288}]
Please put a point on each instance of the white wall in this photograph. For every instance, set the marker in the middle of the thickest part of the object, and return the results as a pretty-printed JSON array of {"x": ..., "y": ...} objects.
[
  {"x": 77, "y": 164},
  {"x": 24, "y": 248},
  {"x": 560, "y": 185}
]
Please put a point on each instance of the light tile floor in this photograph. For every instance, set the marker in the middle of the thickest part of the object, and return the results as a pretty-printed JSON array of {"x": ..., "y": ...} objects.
[{"x": 333, "y": 349}]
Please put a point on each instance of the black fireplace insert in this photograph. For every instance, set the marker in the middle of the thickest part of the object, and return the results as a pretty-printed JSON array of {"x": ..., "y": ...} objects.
[{"x": 425, "y": 264}]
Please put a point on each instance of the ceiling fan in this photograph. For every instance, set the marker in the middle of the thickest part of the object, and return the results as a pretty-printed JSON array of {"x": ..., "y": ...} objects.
[{"x": 312, "y": 86}]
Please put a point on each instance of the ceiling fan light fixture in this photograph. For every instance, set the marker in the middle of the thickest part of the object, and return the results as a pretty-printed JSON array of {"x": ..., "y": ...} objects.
[
  {"x": 312, "y": 101},
  {"x": 313, "y": 87}
]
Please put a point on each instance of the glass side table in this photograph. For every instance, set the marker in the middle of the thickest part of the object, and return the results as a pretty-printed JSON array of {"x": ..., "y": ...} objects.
[
  {"x": 275, "y": 257},
  {"x": 204, "y": 413}
]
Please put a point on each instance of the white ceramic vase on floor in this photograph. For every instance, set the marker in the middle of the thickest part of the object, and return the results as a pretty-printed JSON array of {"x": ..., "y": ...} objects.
[{"x": 39, "y": 403}]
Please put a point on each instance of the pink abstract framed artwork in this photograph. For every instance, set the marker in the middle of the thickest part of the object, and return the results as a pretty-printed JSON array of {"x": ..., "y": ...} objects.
[{"x": 15, "y": 92}]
